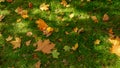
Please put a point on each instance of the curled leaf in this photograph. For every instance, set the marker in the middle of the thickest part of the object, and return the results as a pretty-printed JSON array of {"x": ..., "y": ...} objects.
[
  {"x": 1, "y": 17},
  {"x": 75, "y": 47},
  {"x": 9, "y": 38}
]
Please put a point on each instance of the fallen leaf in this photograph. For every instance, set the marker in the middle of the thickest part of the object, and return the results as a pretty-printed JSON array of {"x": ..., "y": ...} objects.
[
  {"x": 41, "y": 24},
  {"x": 97, "y": 42},
  {"x": 30, "y": 5},
  {"x": 55, "y": 54},
  {"x": 105, "y": 18},
  {"x": 75, "y": 47},
  {"x": 44, "y": 7},
  {"x": 110, "y": 31},
  {"x": 80, "y": 30},
  {"x": 2, "y": 17},
  {"x": 66, "y": 33},
  {"x": 9, "y": 1},
  {"x": 16, "y": 43},
  {"x": 19, "y": 10},
  {"x": 75, "y": 29},
  {"x": 28, "y": 42},
  {"x": 64, "y": 3},
  {"x": 94, "y": 18},
  {"x": 115, "y": 46},
  {"x": 2, "y": 0},
  {"x": 71, "y": 15},
  {"x": 19, "y": 20},
  {"x": 88, "y": 0},
  {"x": 9, "y": 38},
  {"x": 48, "y": 31},
  {"x": 29, "y": 34},
  {"x": 37, "y": 65},
  {"x": 66, "y": 48},
  {"x": 45, "y": 46}
]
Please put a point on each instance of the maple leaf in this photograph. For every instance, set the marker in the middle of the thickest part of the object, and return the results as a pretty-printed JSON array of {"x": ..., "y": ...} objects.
[
  {"x": 45, "y": 46},
  {"x": 2, "y": 17},
  {"x": 37, "y": 65},
  {"x": 96, "y": 42},
  {"x": 105, "y": 18},
  {"x": 9, "y": 38},
  {"x": 41, "y": 24},
  {"x": 16, "y": 43},
  {"x": 94, "y": 18},
  {"x": 55, "y": 54},
  {"x": 66, "y": 48},
  {"x": 115, "y": 46},
  {"x": 75, "y": 47},
  {"x": 44, "y": 7}
]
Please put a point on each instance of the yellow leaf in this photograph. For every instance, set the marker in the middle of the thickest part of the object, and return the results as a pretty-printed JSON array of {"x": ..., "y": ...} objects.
[
  {"x": 24, "y": 14},
  {"x": 75, "y": 47},
  {"x": 96, "y": 42},
  {"x": 16, "y": 43},
  {"x": 75, "y": 29},
  {"x": 28, "y": 42},
  {"x": 44, "y": 7},
  {"x": 71, "y": 15},
  {"x": 94, "y": 18},
  {"x": 9, "y": 38},
  {"x": 115, "y": 46}
]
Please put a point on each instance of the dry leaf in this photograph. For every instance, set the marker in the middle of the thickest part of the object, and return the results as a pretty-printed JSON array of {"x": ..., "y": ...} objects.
[
  {"x": 9, "y": 1},
  {"x": 9, "y": 38},
  {"x": 1, "y": 17},
  {"x": 45, "y": 46},
  {"x": 88, "y": 0},
  {"x": 110, "y": 31},
  {"x": 105, "y": 18},
  {"x": 66, "y": 33},
  {"x": 41, "y": 24},
  {"x": 94, "y": 18},
  {"x": 115, "y": 46},
  {"x": 30, "y": 5},
  {"x": 19, "y": 10},
  {"x": 44, "y": 7},
  {"x": 37, "y": 65},
  {"x": 75, "y": 29},
  {"x": 48, "y": 31},
  {"x": 16, "y": 43},
  {"x": 96, "y": 42},
  {"x": 2, "y": 0},
  {"x": 75, "y": 47},
  {"x": 64, "y": 3},
  {"x": 28, "y": 42},
  {"x": 29, "y": 34},
  {"x": 19, "y": 20},
  {"x": 71, "y": 15}
]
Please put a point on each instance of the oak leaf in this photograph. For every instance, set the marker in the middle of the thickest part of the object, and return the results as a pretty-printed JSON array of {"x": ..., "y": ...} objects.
[
  {"x": 105, "y": 18},
  {"x": 115, "y": 46},
  {"x": 94, "y": 18},
  {"x": 44, "y": 7},
  {"x": 45, "y": 46},
  {"x": 16, "y": 43}
]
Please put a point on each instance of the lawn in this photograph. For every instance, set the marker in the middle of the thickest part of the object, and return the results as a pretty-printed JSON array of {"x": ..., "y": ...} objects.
[{"x": 78, "y": 36}]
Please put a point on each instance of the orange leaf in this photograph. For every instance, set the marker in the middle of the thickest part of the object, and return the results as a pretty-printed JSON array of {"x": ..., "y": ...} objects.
[
  {"x": 45, "y": 46},
  {"x": 28, "y": 42},
  {"x": 64, "y": 3},
  {"x": 105, "y": 18},
  {"x": 110, "y": 31},
  {"x": 96, "y": 42},
  {"x": 16, "y": 43},
  {"x": 75, "y": 47},
  {"x": 94, "y": 18},
  {"x": 9, "y": 1},
  {"x": 41, "y": 24},
  {"x": 30, "y": 5},
  {"x": 115, "y": 46}
]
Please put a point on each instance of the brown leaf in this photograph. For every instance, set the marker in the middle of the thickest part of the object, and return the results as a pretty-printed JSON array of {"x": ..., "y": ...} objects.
[
  {"x": 45, "y": 46},
  {"x": 75, "y": 29},
  {"x": 115, "y": 46},
  {"x": 16, "y": 43},
  {"x": 105, "y": 18},
  {"x": 28, "y": 42},
  {"x": 71, "y": 15},
  {"x": 44, "y": 7},
  {"x": 48, "y": 31},
  {"x": 19, "y": 10},
  {"x": 9, "y": 38},
  {"x": 41, "y": 24},
  {"x": 9, "y": 1},
  {"x": 64, "y": 3},
  {"x": 110, "y": 31},
  {"x": 37, "y": 65},
  {"x": 30, "y": 5},
  {"x": 94, "y": 18}
]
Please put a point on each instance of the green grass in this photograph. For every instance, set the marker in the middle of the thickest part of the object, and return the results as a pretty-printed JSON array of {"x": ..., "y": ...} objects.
[{"x": 87, "y": 55}]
